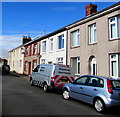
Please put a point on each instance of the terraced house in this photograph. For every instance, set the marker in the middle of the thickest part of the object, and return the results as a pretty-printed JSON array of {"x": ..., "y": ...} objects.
[
  {"x": 94, "y": 42},
  {"x": 53, "y": 47},
  {"x": 31, "y": 55}
]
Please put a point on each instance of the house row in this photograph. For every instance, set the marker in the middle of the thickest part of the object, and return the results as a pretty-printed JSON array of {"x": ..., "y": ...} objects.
[{"x": 90, "y": 45}]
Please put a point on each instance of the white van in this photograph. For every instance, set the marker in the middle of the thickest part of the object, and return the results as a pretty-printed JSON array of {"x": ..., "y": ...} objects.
[{"x": 50, "y": 76}]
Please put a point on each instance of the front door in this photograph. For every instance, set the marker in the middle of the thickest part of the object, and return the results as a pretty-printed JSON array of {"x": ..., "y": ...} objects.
[{"x": 29, "y": 68}]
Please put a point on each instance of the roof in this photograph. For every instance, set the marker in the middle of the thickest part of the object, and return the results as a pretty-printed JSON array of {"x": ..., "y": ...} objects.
[
  {"x": 95, "y": 15},
  {"x": 45, "y": 36},
  {"x": 16, "y": 48}
]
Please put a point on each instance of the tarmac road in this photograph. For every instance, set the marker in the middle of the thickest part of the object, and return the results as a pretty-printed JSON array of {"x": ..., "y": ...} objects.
[{"x": 19, "y": 98}]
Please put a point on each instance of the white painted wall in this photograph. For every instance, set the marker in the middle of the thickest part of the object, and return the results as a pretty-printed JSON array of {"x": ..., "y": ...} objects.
[
  {"x": 14, "y": 58},
  {"x": 51, "y": 56}
]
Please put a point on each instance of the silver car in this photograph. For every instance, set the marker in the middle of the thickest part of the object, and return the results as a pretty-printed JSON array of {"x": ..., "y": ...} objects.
[{"x": 99, "y": 91}]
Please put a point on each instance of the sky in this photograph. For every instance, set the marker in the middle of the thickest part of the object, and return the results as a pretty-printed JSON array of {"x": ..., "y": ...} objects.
[{"x": 37, "y": 18}]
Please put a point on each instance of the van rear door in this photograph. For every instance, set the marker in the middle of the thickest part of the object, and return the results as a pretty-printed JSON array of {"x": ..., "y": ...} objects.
[{"x": 63, "y": 74}]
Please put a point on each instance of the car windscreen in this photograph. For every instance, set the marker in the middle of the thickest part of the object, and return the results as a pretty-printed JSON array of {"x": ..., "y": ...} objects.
[{"x": 116, "y": 84}]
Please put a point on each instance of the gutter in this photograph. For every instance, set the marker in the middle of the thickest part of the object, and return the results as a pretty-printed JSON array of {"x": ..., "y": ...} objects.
[{"x": 93, "y": 17}]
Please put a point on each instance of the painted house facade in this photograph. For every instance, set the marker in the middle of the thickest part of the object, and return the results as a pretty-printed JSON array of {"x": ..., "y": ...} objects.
[
  {"x": 31, "y": 56},
  {"x": 94, "y": 42},
  {"x": 53, "y": 47},
  {"x": 16, "y": 59}
]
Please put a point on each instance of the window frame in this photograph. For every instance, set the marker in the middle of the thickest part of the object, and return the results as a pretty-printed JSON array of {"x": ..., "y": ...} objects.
[
  {"x": 44, "y": 46},
  {"x": 77, "y": 31},
  {"x": 116, "y": 27},
  {"x": 51, "y": 44},
  {"x": 62, "y": 43},
  {"x": 61, "y": 61},
  {"x": 92, "y": 28},
  {"x": 116, "y": 59}
]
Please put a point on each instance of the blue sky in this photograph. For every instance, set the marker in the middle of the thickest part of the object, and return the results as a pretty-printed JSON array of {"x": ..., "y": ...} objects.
[{"x": 23, "y": 18}]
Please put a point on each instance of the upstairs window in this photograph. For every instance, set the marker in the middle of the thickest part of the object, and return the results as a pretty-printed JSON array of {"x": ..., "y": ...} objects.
[
  {"x": 114, "y": 27},
  {"x": 35, "y": 49},
  {"x": 30, "y": 52},
  {"x": 26, "y": 51},
  {"x": 44, "y": 46},
  {"x": 92, "y": 34},
  {"x": 51, "y": 44},
  {"x": 75, "y": 38},
  {"x": 61, "y": 42}
]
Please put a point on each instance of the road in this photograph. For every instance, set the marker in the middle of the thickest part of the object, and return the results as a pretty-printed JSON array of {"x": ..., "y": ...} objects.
[{"x": 19, "y": 98}]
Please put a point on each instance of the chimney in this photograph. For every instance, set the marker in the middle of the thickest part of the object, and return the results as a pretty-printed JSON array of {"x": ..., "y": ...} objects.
[
  {"x": 90, "y": 9},
  {"x": 26, "y": 39}
]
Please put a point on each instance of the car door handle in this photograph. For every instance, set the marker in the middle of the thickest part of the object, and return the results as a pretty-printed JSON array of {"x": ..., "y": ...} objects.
[
  {"x": 95, "y": 89},
  {"x": 81, "y": 87}
]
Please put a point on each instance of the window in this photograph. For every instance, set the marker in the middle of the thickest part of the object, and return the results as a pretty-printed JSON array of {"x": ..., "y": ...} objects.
[
  {"x": 115, "y": 65},
  {"x": 44, "y": 46},
  {"x": 60, "y": 60},
  {"x": 76, "y": 65},
  {"x": 92, "y": 34},
  {"x": 81, "y": 81},
  {"x": 43, "y": 61},
  {"x": 25, "y": 68},
  {"x": 30, "y": 50},
  {"x": 75, "y": 38},
  {"x": 51, "y": 44},
  {"x": 96, "y": 82},
  {"x": 26, "y": 51},
  {"x": 61, "y": 42},
  {"x": 36, "y": 69},
  {"x": 114, "y": 27},
  {"x": 20, "y": 63},
  {"x": 35, "y": 49},
  {"x": 34, "y": 64}
]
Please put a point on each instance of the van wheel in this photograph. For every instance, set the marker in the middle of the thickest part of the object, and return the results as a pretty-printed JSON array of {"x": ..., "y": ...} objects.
[
  {"x": 31, "y": 82},
  {"x": 99, "y": 105},
  {"x": 66, "y": 94},
  {"x": 45, "y": 87}
]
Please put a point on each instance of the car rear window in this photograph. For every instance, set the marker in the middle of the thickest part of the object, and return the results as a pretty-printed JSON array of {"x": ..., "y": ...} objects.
[{"x": 116, "y": 84}]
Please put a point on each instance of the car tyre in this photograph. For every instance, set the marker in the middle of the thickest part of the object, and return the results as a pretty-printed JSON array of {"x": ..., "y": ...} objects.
[
  {"x": 31, "y": 82},
  {"x": 99, "y": 105},
  {"x": 66, "y": 94},
  {"x": 45, "y": 87}
]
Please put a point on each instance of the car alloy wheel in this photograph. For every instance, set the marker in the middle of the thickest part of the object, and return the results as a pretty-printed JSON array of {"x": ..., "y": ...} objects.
[
  {"x": 66, "y": 94},
  {"x": 99, "y": 105},
  {"x": 31, "y": 82},
  {"x": 45, "y": 87}
]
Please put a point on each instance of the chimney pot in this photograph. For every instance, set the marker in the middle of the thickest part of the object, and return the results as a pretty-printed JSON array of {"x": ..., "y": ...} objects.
[{"x": 90, "y": 9}]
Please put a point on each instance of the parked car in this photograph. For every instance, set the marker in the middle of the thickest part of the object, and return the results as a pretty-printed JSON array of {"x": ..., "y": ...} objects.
[
  {"x": 50, "y": 76},
  {"x": 5, "y": 69},
  {"x": 101, "y": 92}
]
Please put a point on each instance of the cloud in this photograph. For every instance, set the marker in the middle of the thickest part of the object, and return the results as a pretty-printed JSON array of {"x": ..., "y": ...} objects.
[{"x": 9, "y": 42}]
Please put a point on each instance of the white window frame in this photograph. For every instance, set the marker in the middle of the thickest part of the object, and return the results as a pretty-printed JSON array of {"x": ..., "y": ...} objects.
[
  {"x": 35, "y": 48},
  {"x": 114, "y": 60},
  {"x": 75, "y": 42},
  {"x": 110, "y": 24},
  {"x": 51, "y": 45},
  {"x": 62, "y": 41},
  {"x": 77, "y": 62},
  {"x": 44, "y": 46},
  {"x": 92, "y": 33},
  {"x": 59, "y": 60}
]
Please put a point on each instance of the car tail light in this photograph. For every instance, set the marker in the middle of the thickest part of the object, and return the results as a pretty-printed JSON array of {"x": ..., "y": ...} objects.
[{"x": 110, "y": 87}]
